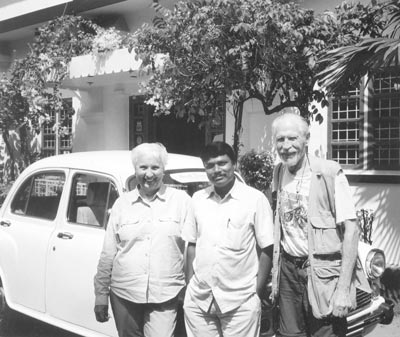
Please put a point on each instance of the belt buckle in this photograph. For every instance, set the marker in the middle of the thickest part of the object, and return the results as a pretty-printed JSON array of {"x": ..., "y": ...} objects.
[
  {"x": 305, "y": 264},
  {"x": 299, "y": 262}
]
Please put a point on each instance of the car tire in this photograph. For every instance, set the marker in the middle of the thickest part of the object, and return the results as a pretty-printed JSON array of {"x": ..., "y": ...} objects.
[{"x": 7, "y": 315}]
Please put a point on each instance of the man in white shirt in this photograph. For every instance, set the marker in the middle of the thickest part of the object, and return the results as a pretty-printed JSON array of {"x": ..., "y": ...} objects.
[
  {"x": 141, "y": 265},
  {"x": 226, "y": 276}
]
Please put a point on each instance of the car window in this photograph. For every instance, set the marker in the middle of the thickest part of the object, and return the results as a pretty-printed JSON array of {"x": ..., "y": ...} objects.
[
  {"x": 39, "y": 195},
  {"x": 188, "y": 180},
  {"x": 91, "y": 199}
]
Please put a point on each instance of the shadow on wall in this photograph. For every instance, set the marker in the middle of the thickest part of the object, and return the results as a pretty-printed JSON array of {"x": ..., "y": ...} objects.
[{"x": 383, "y": 200}]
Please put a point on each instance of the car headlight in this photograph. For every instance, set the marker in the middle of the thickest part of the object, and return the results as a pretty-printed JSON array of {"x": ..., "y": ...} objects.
[{"x": 375, "y": 263}]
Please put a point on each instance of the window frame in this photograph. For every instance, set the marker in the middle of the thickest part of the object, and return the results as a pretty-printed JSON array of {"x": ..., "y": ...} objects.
[
  {"x": 331, "y": 142},
  {"x": 71, "y": 194},
  {"x": 367, "y": 116},
  {"x": 392, "y": 95},
  {"x": 57, "y": 140},
  {"x": 32, "y": 177}
]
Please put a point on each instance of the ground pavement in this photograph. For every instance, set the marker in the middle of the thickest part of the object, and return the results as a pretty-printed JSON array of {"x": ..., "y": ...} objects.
[{"x": 31, "y": 328}]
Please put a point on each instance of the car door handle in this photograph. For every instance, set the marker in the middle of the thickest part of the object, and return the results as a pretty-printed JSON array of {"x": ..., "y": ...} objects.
[
  {"x": 5, "y": 223},
  {"x": 65, "y": 236}
]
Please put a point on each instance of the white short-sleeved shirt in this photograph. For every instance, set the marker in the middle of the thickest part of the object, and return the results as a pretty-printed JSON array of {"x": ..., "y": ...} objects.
[
  {"x": 293, "y": 208},
  {"x": 226, "y": 232}
]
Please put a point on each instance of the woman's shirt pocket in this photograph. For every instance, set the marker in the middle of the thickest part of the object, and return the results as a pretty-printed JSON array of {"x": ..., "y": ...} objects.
[
  {"x": 169, "y": 225},
  {"x": 130, "y": 231}
]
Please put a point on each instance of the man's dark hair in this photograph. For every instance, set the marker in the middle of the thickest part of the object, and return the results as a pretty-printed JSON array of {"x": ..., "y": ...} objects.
[{"x": 217, "y": 149}]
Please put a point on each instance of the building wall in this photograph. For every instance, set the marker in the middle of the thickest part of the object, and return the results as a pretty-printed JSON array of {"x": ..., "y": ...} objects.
[
  {"x": 89, "y": 127},
  {"x": 383, "y": 199}
]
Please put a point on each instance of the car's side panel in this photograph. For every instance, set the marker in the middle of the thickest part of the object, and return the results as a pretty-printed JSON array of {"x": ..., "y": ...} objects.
[
  {"x": 72, "y": 263},
  {"x": 26, "y": 279},
  {"x": 24, "y": 263}
]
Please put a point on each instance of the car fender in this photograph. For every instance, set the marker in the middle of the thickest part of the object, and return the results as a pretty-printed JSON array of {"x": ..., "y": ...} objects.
[{"x": 8, "y": 259}]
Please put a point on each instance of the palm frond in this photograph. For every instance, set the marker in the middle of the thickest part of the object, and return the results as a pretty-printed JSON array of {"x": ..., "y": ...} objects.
[
  {"x": 357, "y": 61},
  {"x": 372, "y": 54}
]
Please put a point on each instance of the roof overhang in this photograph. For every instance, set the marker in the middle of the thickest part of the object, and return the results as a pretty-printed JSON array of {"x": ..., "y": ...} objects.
[
  {"x": 19, "y": 14},
  {"x": 118, "y": 67}
]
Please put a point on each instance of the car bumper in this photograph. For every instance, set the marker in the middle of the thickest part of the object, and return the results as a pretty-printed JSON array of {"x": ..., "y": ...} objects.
[{"x": 362, "y": 322}]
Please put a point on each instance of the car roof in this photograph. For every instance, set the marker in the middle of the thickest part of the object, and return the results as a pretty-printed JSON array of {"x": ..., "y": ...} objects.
[{"x": 117, "y": 163}]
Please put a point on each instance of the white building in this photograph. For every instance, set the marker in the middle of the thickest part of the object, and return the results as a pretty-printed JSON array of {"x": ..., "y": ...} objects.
[{"x": 362, "y": 132}]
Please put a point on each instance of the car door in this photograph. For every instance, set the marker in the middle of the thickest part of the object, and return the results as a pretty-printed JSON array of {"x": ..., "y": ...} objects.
[
  {"x": 28, "y": 221},
  {"x": 75, "y": 250}
]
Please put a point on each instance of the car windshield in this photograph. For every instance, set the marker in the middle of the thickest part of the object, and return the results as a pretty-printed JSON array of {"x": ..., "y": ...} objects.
[{"x": 187, "y": 180}]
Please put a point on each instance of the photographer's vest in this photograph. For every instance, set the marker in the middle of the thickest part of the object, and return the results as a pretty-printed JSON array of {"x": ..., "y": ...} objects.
[{"x": 324, "y": 240}]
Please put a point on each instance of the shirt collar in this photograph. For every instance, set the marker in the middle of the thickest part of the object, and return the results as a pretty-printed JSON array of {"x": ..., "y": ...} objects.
[
  {"x": 161, "y": 194},
  {"x": 234, "y": 192}
]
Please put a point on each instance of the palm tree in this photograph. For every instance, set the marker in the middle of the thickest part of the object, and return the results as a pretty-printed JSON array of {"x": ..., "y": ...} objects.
[{"x": 346, "y": 65}]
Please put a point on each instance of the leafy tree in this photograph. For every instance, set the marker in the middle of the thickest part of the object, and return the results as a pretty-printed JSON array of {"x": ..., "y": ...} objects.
[
  {"x": 343, "y": 67},
  {"x": 13, "y": 109},
  {"x": 33, "y": 88},
  {"x": 240, "y": 49},
  {"x": 257, "y": 169}
]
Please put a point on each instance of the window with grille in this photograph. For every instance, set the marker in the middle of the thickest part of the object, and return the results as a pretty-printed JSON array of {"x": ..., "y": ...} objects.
[
  {"x": 345, "y": 132},
  {"x": 386, "y": 120},
  {"x": 368, "y": 136},
  {"x": 61, "y": 142}
]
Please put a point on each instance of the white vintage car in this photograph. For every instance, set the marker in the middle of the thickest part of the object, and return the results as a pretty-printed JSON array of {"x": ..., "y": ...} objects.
[{"x": 52, "y": 225}]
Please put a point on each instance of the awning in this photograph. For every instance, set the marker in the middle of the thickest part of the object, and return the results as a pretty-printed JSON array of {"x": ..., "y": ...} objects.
[
  {"x": 16, "y": 14},
  {"x": 117, "y": 61},
  {"x": 105, "y": 69},
  {"x": 22, "y": 7}
]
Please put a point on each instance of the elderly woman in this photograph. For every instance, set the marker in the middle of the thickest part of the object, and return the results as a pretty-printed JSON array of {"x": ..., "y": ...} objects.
[{"x": 141, "y": 265}]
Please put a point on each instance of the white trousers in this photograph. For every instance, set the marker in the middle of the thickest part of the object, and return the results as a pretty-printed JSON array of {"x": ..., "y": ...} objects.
[{"x": 244, "y": 321}]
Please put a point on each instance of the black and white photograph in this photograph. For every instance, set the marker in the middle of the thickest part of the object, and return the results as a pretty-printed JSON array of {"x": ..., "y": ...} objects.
[{"x": 199, "y": 168}]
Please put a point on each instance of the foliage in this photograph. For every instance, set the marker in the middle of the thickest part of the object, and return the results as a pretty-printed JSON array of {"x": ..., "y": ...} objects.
[
  {"x": 241, "y": 49},
  {"x": 109, "y": 39},
  {"x": 32, "y": 91},
  {"x": 343, "y": 67},
  {"x": 4, "y": 189},
  {"x": 39, "y": 74},
  {"x": 256, "y": 168}
]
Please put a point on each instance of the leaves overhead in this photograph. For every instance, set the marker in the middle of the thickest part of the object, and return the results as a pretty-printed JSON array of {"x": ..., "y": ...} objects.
[
  {"x": 31, "y": 90},
  {"x": 241, "y": 49},
  {"x": 379, "y": 47}
]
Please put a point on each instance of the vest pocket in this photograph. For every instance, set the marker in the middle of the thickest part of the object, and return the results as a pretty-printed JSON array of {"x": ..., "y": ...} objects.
[
  {"x": 326, "y": 236},
  {"x": 323, "y": 286}
]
